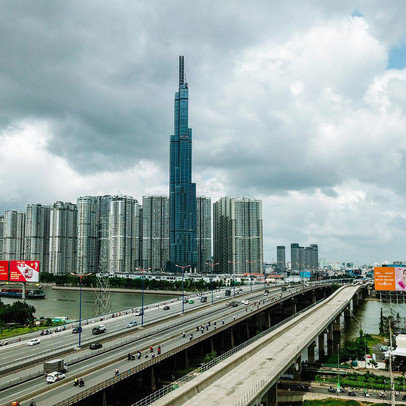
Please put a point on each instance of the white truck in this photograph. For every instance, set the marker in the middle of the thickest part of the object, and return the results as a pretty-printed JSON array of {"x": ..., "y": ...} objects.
[{"x": 55, "y": 365}]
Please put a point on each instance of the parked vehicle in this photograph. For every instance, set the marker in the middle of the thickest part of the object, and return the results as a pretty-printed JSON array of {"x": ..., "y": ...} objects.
[
  {"x": 55, "y": 365},
  {"x": 99, "y": 329},
  {"x": 95, "y": 346},
  {"x": 54, "y": 377},
  {"x": 34, "y": 341}
]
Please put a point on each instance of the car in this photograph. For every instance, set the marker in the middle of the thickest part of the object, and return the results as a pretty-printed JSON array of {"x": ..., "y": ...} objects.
[
  {"x": 99, "y": 329},
  {"x": 166, "y": 307},
  {"x": 138, "y": 312},
  {"x": 218, "y": 297},
  {"x": 55, "y": 376},
  {"x": 245, "y": 302},
  {"x": 185, "y": 300},
  {"x": 77, "y": 330},
  {"x": 95, "y": 346},
  {"x": 191, "y": 301},
  {"x": 132, "y": 323},
  {"x": 33, "y": 341}
]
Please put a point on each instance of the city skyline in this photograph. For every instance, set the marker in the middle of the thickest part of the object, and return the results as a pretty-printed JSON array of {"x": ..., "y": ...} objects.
[{"x": 301, "y": 106}]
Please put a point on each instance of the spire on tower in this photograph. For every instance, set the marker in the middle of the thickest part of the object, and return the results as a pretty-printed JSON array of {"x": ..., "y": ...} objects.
[{"x": 181, "y": 70}]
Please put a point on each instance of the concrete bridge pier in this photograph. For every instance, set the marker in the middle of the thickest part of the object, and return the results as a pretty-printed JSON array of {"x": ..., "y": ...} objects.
[
  {"x": 271, "y": 397},
  {"x": 269, "y": 325},
  {"x": 336, "y": 332},
  {"x": 310, "y": 352},
  {"x": 330, "y": 346},
  {"x": 314, "y": 298},
  {"x": 247, "y": 328},
  {"x": 186, "y": 359},
  {"x": 321, "y": 345},
  {"x": 232, "y": 337},
  {"x": 153, "y": 383},
  {"x": 297, "y": 369}
]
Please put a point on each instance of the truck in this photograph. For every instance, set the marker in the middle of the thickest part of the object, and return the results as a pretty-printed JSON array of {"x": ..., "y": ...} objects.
[
  {"x": 55, "y": 365},
  {"x": 228, "y": 292}
]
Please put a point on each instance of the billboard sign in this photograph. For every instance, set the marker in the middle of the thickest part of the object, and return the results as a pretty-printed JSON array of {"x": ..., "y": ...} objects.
[
  {"x": 305, "y": 274},
  {"x": 24, "y": 271},
  {"x": 390, "y": 278},
  {"x": 3, "y": 270}
]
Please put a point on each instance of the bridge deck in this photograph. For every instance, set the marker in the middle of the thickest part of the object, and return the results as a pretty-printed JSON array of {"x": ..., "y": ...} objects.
[{"x": 262, "y": 366}]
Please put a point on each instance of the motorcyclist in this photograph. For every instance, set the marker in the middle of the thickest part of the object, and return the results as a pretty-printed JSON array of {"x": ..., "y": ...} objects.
[
  {"x": 81, "y": 382},
  {"x": 75, "y": 382},
  {"x": 116, "y": 372},
  {"x": 32, "y": 403}
]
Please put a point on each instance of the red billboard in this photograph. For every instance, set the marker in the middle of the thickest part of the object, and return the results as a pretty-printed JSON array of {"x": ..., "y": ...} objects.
[
  {"x": 24, "y": 271},
  {"x": 3, "y": 270}
]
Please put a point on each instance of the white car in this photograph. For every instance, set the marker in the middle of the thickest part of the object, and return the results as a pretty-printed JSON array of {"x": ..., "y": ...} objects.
[
  {"x": 132, "y": 324},
  {"x": 218, "y": 297},
  {"x": 33, "y": 341},
  {"x": 245, "y": 302},
  {"x": 55, "y": 376}
]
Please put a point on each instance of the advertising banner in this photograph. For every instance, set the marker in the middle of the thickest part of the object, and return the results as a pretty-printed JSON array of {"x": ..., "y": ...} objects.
[
  {"x": 3, "y": 270},
  {"x": 24, "y": 271},
  {"x": 385, "y": 278},
  {"x": 305, "y": 274}
]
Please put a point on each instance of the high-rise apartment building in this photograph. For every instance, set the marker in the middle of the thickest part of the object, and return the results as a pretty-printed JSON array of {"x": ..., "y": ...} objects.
[
  {"x": 36, "y": 241},
  {"x": 63, "y": 238},
  {"x": 155, "y": 232},
  {"x": 88, "y": 234},
  {"x": 13, "y": 235},
  {"x": 182, "y": 192},
  {"x": 203, "y": 205},
  {"x": 122, "y": 227},
  {"x": 238, "y": 235},
  {"x": 301, "y": 259},
  {"x": 294, "y": 257},
  {"x": 312, "y": 257},
  {"x": 280, "y": 258}
]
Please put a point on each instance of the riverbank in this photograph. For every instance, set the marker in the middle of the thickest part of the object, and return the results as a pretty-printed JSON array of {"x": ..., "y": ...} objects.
[{"x": 121, "y": 290}]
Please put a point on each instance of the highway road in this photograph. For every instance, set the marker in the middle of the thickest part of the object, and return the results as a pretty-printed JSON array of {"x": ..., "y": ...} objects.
[{"x": 170, "y": 338}]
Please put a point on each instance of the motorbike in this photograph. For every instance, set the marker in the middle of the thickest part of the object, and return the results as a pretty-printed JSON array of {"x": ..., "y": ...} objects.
[
  {"x": 81, "y": 383},
  {"x": 366, "y": 394},
  {"x": 351, "y": 393},
  {"x": 331, "y": 389},
  {"x": 382, "y": 395}
]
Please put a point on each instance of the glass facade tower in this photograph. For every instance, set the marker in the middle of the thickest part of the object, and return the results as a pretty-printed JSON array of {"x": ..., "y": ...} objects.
[{"x": 182, "y": 192}]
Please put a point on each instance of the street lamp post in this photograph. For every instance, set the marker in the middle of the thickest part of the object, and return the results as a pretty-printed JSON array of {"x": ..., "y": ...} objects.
[
  {"x": 212, "y": 266},
  {"x": 183, "y": 290},
  {"x": 338, "y": 369},
  {"x": 233, "y": 263},
  {"x": 250, "y": 262},
  {"x": 80, "y": 302},
  {"x": 142, "y": 295}
]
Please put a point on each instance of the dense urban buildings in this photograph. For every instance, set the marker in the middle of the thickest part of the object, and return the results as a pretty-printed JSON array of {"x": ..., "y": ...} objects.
[
  {"x": 238, "y": 235},
  {"x": 304, "y": 258},
  {"x": 182, "y": 192},
  {"x": 116, "y": 235}
]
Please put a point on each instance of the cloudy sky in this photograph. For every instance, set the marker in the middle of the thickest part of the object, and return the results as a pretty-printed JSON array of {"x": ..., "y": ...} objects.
[{"x": 299, "y": 103}]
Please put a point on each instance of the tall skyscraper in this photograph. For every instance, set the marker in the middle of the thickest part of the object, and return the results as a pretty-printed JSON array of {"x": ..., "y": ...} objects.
[
  {"x": 87, "y": 234},
  {"x": 36, "y": 241},
  {"x": 238, "y": 235},
  {"x": 182, "y": 192},
  {"x": 312, "y": 257},
  {"x": 123, "y": 226},
  {"x": 155, "y": 232},
  {"x": 294, "y": 257},
  {"x": 280, "y": 258},
  {"x": 203, "y": 232},
  {"x": 1, "y": 237},
  {"x": 63, "y": 238},
  {"x": 13, "y": 235}
]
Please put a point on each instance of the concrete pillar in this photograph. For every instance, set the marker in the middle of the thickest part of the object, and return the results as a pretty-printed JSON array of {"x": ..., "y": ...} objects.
[
  {"x": 153, "y": 384},
  {"x": 104, "y": 400},
  {"x": 314, "y": 299},
  {"x": 186, "y": 359},
  {"x": 336, "y": 333},
  {"x": 297, "y": 370},
  {"x": 322, "y": 352},
  {"x": 222, "y": 339},
  {"x": 247, "y": 329},
  {"x": 211, "y": 344},
  {"x": 232, "y": 337},
  {"x": 269, "y": 319},
  {"x": 271, "y": 397},
  {"x": 260, "y": 321},
  {"x": 330, "y": 348},
  {"x": 175, "y": 361},
  {"x": 347, "y": 313},
  {"x": 310, "y": 353}
]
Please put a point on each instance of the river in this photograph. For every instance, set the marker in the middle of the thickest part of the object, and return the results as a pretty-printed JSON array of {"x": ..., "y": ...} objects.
[{"x": 65, "y": 303}]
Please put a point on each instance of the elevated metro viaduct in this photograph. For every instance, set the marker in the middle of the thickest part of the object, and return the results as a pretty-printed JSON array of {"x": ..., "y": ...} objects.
[{"x": 138, "y": 382}]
